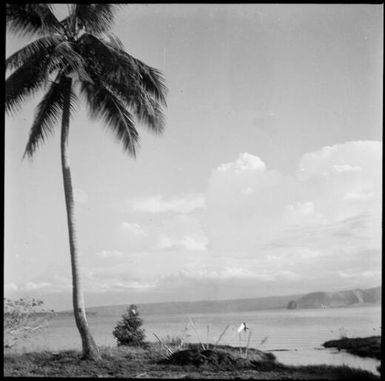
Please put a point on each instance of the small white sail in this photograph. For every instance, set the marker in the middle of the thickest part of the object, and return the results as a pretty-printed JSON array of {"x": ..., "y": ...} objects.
[{"x": 242, "y": 328}]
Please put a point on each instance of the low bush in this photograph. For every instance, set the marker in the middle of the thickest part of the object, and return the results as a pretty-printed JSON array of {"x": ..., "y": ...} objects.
[
  {"x": 23, "y": 318},
  {"x": 128, "y": 331}
]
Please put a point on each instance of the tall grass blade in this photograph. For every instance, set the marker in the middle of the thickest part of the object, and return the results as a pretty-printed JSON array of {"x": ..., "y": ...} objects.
[
  {"x": 248, "y": 342},
  {"x": 167, "y": 347},
  {"x": 184, "y": 335},
  {"x": 263, "y": 341},
  {"x": 222, "y": 334},
  {"x": 196, "y": 332}
]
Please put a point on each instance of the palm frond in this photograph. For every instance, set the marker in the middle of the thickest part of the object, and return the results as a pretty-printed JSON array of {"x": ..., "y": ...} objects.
[
  {"x": 25, "y": 19},
  {"x": 150, "y": 113},
  {"x": 115, "y": 41},
  {"x": 94, "y": 18},
  {"x": 103, "y": 103},
  {"x": 107, "y": 66},
  {"x": 47, "y": 115},
  {"x": 106, "y": 54},
  {"x": 26, "y": 80},
  {"x": 122, "y": 75},
  {"x": 65, "y": 56},
  {"x": 98, "y": 54},
  {"x": 152, "y": 80},
  {"x": 37, "y": 47},
  {"x": 145, "y": 108}
]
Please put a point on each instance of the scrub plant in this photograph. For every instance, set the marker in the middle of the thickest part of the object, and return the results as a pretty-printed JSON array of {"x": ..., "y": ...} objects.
[
  {"x": 23, "y": 319},
  {"x": 128, "y": 331}
]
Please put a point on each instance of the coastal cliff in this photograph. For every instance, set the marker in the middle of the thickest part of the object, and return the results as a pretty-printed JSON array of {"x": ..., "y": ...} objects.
[{"x": 337, "y": 299}]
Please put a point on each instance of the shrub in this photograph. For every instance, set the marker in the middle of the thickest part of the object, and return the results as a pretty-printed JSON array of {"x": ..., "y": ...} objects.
[
  {"x": 23, "y": 318},
  {"x": 128, "y": 331}
]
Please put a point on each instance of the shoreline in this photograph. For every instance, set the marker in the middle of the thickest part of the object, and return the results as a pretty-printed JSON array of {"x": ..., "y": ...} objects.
[
  {"x": 365, "y": 347},
  {"x": 219, "y": 361}
]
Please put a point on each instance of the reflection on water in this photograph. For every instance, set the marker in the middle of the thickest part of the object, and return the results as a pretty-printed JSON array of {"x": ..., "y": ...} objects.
[
  {"x": 300, "y": 332},
  {"x": 326, "y": 356}
]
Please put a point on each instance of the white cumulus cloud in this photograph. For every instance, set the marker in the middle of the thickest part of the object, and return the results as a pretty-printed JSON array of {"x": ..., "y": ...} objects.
[
  {"x": 356, "y": 158},
  {"x": 360, "y": 195},
  {"x": 326, "y": 214},
  {"x": 133, "y": 228},
  {"x": 160, "y": 204},
  {"x": 245, "y": 162},
  {"x": 109, "y": 254},
  {"x": 346, "y": 168},
  {"x": 186, "y": 242},
  {"x": 193, "y": 244},
  {"x": 36, "y": 285}
]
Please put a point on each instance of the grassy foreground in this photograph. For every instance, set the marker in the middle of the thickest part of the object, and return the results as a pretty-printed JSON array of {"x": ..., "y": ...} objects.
[{"x": 221, "y": 362}]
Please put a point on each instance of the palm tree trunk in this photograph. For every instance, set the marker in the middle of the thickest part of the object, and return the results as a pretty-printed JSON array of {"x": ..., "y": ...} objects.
[{"x": 90, "y": 350}]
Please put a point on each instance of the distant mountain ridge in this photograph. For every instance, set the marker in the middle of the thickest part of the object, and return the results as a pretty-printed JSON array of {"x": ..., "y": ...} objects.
[
  {"x": 337, "y": 299},
  {"x": 354, "y": 297},
  {"x": 206, "y": 306}
]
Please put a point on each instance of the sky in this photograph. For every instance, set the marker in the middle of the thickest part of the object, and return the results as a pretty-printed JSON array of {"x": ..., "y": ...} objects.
[{"x": 266, "y": 180}]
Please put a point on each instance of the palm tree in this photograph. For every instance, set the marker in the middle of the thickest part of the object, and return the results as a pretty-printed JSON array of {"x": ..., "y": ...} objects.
[{"x": 76, "y": 58}]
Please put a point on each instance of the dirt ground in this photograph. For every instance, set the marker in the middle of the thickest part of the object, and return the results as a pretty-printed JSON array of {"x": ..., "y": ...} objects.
[{"x": 221, "y": 362}]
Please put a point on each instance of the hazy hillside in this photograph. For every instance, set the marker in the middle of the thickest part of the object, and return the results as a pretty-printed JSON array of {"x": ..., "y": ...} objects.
[
  {"x": 312, "y": 300},
  {"x": 337, "y": 299},
  {"x": 213, "y": 306}
]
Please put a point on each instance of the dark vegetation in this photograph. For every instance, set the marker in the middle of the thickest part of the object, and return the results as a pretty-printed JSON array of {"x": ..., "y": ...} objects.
[
  {"x": 224, "y": 358},
  {"x": 23, "y": 318},
  {"x": 128, "y": 331},
  {"x": 360, "y": 346},
  {"x": 221, "y": 362}
]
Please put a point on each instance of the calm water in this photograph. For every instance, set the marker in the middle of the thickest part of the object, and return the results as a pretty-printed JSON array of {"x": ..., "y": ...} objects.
[{"x": 294, "y": 336}]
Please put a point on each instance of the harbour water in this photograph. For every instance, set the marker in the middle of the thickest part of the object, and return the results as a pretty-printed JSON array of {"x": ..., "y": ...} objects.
[{"x": 294, "y": 336}]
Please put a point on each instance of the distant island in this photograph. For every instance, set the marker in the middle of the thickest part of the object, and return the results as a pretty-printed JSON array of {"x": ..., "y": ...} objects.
[
  {"x": 346, "y": 298},
  {"x": 352, "y": 298},
  {"x": 206, "y": 306}
]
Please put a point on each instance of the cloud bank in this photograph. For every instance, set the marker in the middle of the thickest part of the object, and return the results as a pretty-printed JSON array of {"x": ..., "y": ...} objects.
[
  {"x": 324, "y": 218},
  {"x": 254, "y": 231},
  {"x": 160, "y": 204}
]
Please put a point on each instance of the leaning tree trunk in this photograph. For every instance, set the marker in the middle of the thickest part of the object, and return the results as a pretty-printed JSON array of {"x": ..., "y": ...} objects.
[{"x": 90, "y": 350}]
